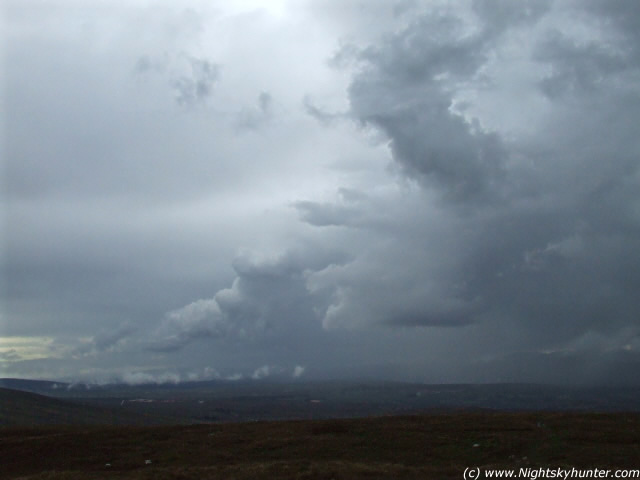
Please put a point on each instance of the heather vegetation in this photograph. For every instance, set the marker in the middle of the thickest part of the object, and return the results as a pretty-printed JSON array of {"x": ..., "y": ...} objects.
[{"x": 425, "y": 446}]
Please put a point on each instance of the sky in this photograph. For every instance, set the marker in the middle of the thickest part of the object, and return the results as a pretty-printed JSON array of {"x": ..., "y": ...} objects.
[{"x": 432, "y": 191}]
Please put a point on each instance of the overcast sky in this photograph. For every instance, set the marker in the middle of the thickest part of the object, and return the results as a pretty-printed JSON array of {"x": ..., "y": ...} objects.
[{"x": 434, "y": 191}]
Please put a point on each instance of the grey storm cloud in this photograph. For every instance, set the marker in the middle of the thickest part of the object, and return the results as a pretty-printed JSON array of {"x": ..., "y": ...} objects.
[
  {"x": 267, "y": 295},
  {"x": 198, "y": 84},
  {"x": 200, "y": 319},
  {"x": 543, "y": 228},
  {"x": 108, "y": 339},
  {"x": 191, "y": 78},
  {"x": 324, "y": 117},
  {"x": 403, "y": 91},
  {"x": 429, "y": 190},
  {"x": 577, "y": 68},
  {"x": 257, "y": 116}
]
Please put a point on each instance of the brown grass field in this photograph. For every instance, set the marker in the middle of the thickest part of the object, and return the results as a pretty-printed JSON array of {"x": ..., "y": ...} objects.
[{"x": 438, "y": 446}]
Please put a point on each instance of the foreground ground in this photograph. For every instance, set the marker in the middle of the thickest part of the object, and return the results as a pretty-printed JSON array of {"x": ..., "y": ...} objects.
[{"x": 425, "y": 446}]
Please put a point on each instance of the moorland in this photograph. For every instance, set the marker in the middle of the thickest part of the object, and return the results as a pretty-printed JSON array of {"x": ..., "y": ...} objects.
[{"x": 311, "y": 431}]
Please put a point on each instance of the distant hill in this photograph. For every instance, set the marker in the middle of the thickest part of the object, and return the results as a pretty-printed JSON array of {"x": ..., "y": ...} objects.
[
  {"x": 20, "y": 408},
  {"x": 219, "y": 401},
  {"x": 38, "y": 386}
]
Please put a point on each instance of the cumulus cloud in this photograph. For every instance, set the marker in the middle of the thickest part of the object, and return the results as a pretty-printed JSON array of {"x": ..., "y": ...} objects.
[
  {"x": 106, "y": 339},
  {"x": 268, "y": 293},
  {"x": 262, "y": 372},
  {"x": 196, "y": 86},
  {"x": 200, "y": 319},
  {"x": 326, "y": 118},
  {"x": 519, "y": 225},
  {"x": 534, "y": 229},
  {"x": 191, "y": 78},
  {"x": 447, "y": 180},
  {"x": 255, "y": 117},
  {"x": 404, "y": 89}
]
